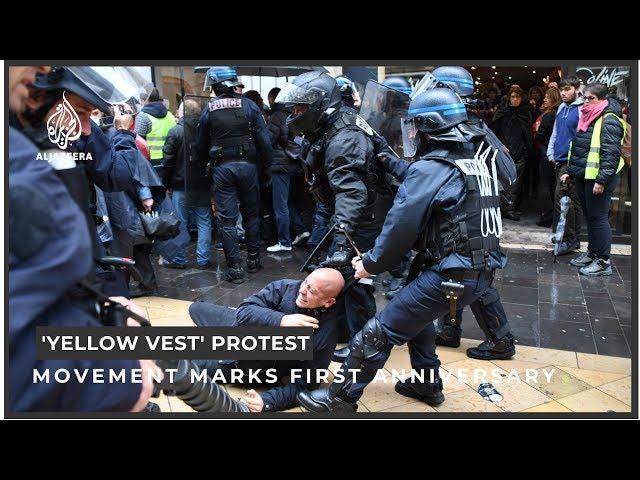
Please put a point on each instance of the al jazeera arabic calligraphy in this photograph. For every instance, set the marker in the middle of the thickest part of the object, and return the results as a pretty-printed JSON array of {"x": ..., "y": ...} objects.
[{"x": 64, "y": 125}]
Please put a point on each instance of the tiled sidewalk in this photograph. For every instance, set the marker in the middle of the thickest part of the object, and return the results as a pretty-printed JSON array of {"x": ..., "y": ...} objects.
[
  {"x": 548, "y": 304},
  {"x": 582, "y": 382}
]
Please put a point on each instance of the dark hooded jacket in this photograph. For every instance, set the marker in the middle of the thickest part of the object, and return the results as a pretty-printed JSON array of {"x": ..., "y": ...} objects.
[
  {"x": 512, "y": 126},
  {"x": 281, "y": 141}
]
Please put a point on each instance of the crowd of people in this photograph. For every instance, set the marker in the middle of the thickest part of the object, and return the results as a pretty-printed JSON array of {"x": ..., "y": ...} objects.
[
  {"x": 539, "y": 127},
  {"x": 304, "y": 169}
]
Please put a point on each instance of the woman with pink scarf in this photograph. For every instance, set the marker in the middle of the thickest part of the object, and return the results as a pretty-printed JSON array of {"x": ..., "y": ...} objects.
[{"x": 594, "y": 166}]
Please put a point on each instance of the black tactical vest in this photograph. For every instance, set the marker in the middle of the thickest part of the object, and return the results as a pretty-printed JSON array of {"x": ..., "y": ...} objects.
[
  {"x": 313, "y": 164},
  {"x": 230, "y": 131},
  {"x": 460, "y": 230}
]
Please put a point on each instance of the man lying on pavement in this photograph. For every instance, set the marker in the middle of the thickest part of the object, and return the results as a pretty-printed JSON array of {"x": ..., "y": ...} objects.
[{"x": 282, "y": 303}]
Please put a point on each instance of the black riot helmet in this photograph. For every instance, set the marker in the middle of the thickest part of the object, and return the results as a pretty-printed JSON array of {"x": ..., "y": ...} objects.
[
  {"x": 223, "y": 80},
  {"x": 441, "y": 115},
  {"x": 460, "y": 81},
  {"x": 400, "y": 84},
  {"x": 99, "y": 86},
  {"x": 316, "y": 91},
  {"x": 456, "y": 78},
  {"x": 63, "y": 78}
]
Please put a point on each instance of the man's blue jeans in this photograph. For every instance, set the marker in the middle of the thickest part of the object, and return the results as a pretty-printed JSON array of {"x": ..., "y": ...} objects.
[{"x": 202, "y": 217}]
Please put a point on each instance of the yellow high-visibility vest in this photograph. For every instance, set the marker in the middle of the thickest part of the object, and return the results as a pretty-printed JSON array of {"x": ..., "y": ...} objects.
[
  {"x": 156, "y": 137},
  {"x": 593, "y": 159}
]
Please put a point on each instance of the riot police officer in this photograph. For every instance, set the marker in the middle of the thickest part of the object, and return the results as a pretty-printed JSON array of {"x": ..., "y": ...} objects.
[
  {"x": 488, "y": 309},
  {"x": 439, "y": 212},
  {"x": 233, "y": 135},
  {"x": 338, "y": 157},
  {"x": 50, "y": 239}
]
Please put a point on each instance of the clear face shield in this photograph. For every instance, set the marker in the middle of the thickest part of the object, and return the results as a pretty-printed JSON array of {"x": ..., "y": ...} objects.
[
  {"x": 409, "y": 137},
  {"x": 292, "y": 94},
  {"x": 425, "y": 83}
]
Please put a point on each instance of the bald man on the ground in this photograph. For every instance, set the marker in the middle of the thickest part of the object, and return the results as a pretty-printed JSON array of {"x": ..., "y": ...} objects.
[{"x": 283, "y": 303}]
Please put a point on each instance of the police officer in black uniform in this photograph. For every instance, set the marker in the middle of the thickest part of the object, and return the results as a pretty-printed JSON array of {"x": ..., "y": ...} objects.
[
  {"x": 233, "y": 135},
  {"x": 338, "y": 160},
  {"x": 439, "y": 212},
  {"x": 488, "y": 309}
]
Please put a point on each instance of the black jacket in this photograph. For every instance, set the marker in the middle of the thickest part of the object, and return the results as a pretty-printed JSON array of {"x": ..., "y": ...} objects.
[
  {"x": 342, "y": 166},
  {"x": 611, "y": 136},
  {"x": 428, "y": 187},
  {"x": 174, "y": 172},
  {"x": 265, "y": 309},
  {"x": 545, "y": 129},
  {"x": 280, "y": 141},
  {"x": 512, "y": 126}
]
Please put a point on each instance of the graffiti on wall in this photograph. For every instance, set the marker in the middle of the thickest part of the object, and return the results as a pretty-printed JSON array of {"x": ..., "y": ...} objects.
[{"x": 610, "y": 76}]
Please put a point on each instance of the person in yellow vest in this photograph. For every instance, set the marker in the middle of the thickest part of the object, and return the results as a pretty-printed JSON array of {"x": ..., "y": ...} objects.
[
  {"x": 153, "y": 124},
  {"x": 594, "y": 167}
]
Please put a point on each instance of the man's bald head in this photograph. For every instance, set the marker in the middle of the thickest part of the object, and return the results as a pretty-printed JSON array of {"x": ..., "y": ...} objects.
[{"x": 320, "y": 288}]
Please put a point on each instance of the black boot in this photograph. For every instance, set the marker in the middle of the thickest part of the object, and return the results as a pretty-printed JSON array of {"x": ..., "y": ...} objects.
[
  {"x": 502, "y": 349},
  {"x": 340, "y": 354},
  {"x": 322, "y": 401},
  {"x": 511, "y": 215},
  {"x": 234, "y": 274},
  {"x": 366, "y": 344},
  {"x": 253, "y": 262},
  {"x": 427, "y": 391},
  {"x": 449, "y": 336}
]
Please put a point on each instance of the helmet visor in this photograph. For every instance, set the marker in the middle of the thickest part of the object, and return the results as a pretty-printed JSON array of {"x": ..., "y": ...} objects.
[
  {"x": 409, "y": 137},
  {"x": 114, "y": 84},
  {"x": 425, "y": 83},
  {"x": 292, "y": 94}
]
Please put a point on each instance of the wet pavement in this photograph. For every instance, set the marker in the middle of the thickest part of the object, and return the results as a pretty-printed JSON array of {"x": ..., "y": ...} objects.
[{"x": 548, "y": 304}]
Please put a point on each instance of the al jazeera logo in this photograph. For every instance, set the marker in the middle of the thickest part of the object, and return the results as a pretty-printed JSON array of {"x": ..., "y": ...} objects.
[{"x": 63, "y": 128}]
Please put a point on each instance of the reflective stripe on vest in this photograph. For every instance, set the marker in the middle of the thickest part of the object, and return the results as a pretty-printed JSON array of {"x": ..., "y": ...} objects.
[
  {"x": 159, "y": 130},
  {"x": 593, "y": 159}
]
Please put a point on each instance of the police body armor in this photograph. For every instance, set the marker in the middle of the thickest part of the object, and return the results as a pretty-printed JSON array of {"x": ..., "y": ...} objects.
[
  {"x": 460, "y": 233},
  {"x": 376, "y": 180},
  {"x": 231, "y": 132}
]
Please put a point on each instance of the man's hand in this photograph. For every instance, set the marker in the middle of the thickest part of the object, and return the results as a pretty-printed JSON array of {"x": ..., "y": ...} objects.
[
  {"x": 299, "y": 320},
  {"x": 356, "y": 263},
  {"x": 598, "y": 188},
  {"x": 253, "y": 400},
  {"x": 150, "y": 371},
  {"x": 122, "y": 121},
  {"x": 147, "y": 204},
  {"x": 131, "y": 306},
  {"x": 564, "y": 178}
]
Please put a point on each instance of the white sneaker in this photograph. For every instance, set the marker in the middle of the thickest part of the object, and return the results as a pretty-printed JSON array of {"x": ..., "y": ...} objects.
[
  {"x": 278, "y": 248},
  {"x": 300, "y": 238}
]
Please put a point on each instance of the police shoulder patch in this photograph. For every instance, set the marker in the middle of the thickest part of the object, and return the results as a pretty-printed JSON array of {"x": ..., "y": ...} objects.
[
  {"x": 220, "y": 103},
  {"x": 363, "y": 125}
]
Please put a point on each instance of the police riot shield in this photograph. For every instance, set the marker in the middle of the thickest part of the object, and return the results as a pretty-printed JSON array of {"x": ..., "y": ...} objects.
[
  {"x": 383, "y": 107},
  {"x": 198, "y": 167}
]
